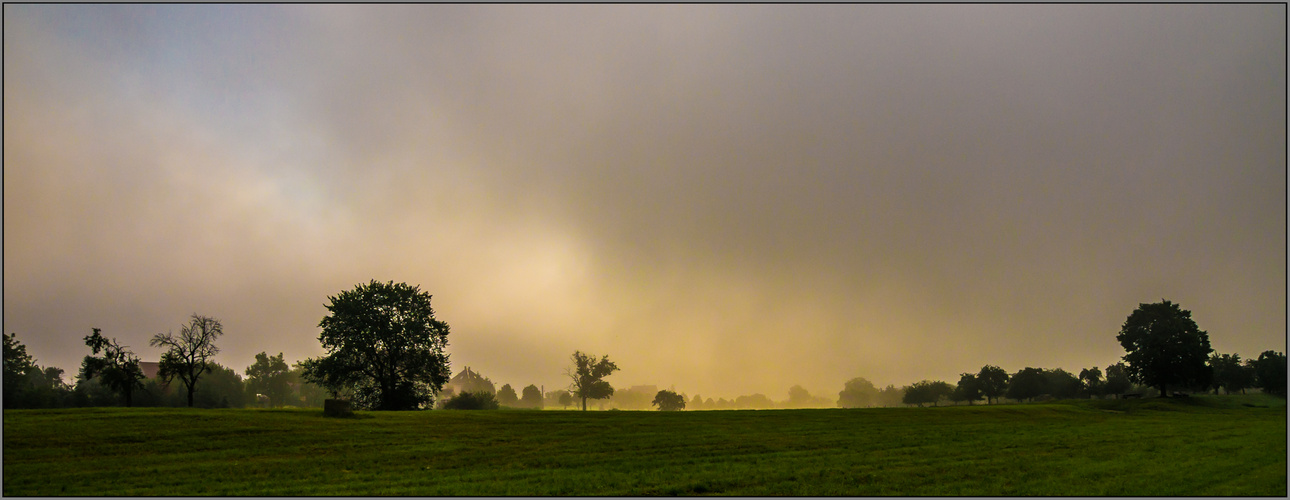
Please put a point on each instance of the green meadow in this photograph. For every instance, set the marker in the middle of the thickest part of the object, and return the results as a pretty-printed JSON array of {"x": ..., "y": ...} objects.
[{"x": 1204, "y": 445}]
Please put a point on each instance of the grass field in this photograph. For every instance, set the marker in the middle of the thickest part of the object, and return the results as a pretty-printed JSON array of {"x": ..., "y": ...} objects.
[{"x": 1211, "y": 445}]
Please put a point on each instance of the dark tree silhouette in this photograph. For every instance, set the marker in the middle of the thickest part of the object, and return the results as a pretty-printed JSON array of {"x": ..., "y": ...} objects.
[
  {"x": 384, "y": 346},
  {"x": 1091, "y": 381},
  {"x": 588, "y": 377},
  {"x": 1229, "y": 373},
  {"x": 1027, "y": 384},
  {"x": 993, "y": 382},
  {"x": 1165, "y": 347},
  {"x": 506, "y": 396},
  {"x": 1061, "y": 384},
  {"x": 16, "y": 364},
  {"x": 117, "y": 368},
  {"x": 1117, "y": 380},
  {"x": 269, "y": 376},
  {"x": 566, "y": 399},
  {"x": 1270, "y": 372},
  {"x": 187, "y": 354},
  {"x": 968, "y": 389},
  {"x": 927, "y": 391},
  {"x": 858, "y": 393},
  {"x": 669, "y": 401}
]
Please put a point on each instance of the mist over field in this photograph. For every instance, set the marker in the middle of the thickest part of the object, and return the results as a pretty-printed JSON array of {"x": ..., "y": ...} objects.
[{"x": 725, "y": 199}]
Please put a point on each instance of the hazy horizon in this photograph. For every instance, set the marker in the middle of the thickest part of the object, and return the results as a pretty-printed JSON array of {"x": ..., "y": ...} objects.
[{"x": 725, "y": 199}]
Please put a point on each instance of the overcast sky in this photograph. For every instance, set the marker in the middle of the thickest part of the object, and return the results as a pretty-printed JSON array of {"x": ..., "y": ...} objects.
[{"x": 726, "y": 199}]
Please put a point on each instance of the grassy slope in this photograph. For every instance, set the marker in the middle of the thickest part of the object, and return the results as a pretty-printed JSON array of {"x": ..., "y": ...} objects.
[{"x": 1203, "y": 446}]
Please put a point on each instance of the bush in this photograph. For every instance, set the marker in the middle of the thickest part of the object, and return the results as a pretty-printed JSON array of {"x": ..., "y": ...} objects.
[{"x": 472, "y": 401}]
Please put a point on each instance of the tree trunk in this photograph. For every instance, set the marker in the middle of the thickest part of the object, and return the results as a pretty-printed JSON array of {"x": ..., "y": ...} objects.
[
  {"x": 584, "y": 403},
  {"x": 1163, "y": 393},
  {"x": 190, "y": 394}
]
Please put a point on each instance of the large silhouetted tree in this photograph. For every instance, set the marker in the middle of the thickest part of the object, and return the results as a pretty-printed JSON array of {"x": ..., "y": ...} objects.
[
  {"x": 117, "y": 368},
  {"x": 1165, "y": 347},
  {"x": 187, "y": 354},
  {"x": 384, "y": 347},
  {"x": 993, "y": 382},
  {"x": 589, "y": 377}
]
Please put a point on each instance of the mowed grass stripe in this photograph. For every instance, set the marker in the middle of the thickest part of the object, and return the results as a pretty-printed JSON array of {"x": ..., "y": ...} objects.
[{"x": 1209, "y": 445}]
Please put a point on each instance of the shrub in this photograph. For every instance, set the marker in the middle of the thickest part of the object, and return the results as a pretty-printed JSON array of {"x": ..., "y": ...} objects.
[{"x": 472, "y": 401}]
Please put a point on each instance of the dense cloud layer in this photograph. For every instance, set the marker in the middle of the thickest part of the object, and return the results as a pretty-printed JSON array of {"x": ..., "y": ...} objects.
[{"x": 728, "y": 199}]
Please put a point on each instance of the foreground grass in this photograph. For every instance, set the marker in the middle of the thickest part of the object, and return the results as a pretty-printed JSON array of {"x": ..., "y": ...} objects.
[{"x": 1201, "y": 446}]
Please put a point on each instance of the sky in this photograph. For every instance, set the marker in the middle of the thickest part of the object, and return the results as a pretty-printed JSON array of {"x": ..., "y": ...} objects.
[{"x": 724, "y": 199}]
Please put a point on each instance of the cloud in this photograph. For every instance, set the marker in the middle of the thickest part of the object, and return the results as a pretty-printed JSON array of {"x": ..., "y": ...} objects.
[{"x": 731, "y": 199}]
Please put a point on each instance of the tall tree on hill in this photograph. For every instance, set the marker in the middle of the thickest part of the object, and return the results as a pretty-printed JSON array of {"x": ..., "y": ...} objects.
[
  {"x": 1164, "y": 347},
  {"x": 993, "y": 382},
  {"x": 384, "y": 346},
  {"x": 187, "y": 355},
  {"x": 117, "y": 368},
  {"x": 589, "y": 377}
]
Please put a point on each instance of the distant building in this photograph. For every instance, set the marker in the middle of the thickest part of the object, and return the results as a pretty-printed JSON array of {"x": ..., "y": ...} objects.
[
  {"x": 466, "y": 381},
  {"x": 150, "y": 368}
]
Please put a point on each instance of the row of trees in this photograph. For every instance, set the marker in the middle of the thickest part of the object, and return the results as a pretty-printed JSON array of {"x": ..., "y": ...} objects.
[{"x": 112, "y": 375}]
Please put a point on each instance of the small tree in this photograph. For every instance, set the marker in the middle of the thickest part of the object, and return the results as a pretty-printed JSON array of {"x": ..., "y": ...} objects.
[
  {"x": 566, "y": 399},
  {"x": 506, "y": 396},
  {"x": 187, "y": 354},
  {"x": 531, "y": 397},
  {"x": 117, "y": 369},
  {"x": 927, "y": 391},
  {"x": 1091, "y": 381},
  {"x": 857, "y": 393},
  {"x": 270, "y": 376},
  {"x": 669, "y": 401},
  {"x": 1164, "y": 347},
  {"x": 968, "y": 389},
  {"x": 1061, "y": 384},
  {"x": 993, "y": 382},
  {"x": 1270, "y": 372},
  {"x": 1117, "y": 379},
  {"x": 16, "y": 364},
  {"x": 1229, "y": 373},
  {"x": 588, "y": 377}
]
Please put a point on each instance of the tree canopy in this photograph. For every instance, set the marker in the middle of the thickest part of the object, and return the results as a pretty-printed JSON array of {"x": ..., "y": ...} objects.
[
  {"x": 858, "y": 393},
  {"x": 669, "y": 401},
  {"x": 270, "y": 376},
  {"x": 993, "y": 382},
  {"x": 187, "y": 354},
  {"x": 588, "y": 376},
  {"x": 1164, "y": 347},
  {"x": 117, "y": 367},
  {"x": 1270, "y": 372},
  {"x": 384, "y": 347}
]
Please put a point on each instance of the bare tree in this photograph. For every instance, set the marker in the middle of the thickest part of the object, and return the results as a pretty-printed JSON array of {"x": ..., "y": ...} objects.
[{"x": 187, "y": 354}]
